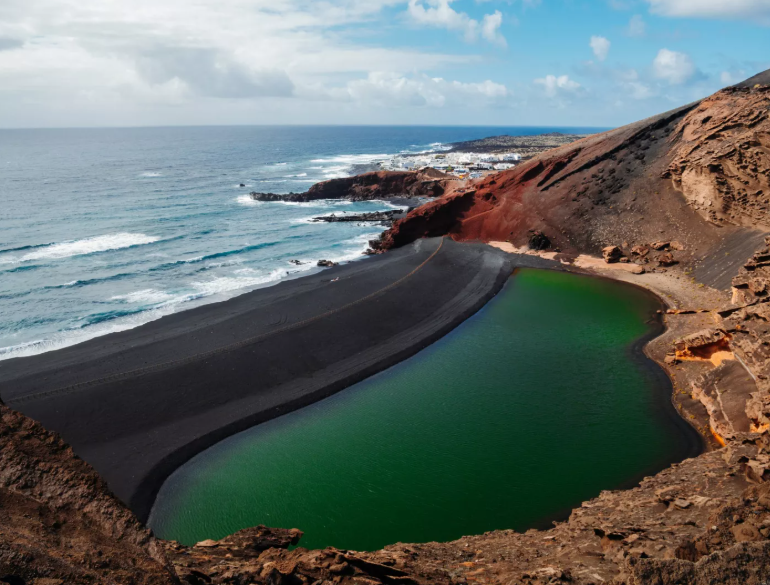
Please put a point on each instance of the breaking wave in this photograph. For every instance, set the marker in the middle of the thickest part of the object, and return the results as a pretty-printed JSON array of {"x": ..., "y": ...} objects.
[{"x": 86, "y": 246}]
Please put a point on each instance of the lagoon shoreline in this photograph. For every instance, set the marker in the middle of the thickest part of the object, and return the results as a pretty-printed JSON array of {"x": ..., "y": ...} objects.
[{"x": 138, "y": 404}]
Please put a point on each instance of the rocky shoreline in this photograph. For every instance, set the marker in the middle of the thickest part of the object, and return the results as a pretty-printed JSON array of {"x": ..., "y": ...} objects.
[
  {"x": 369, "y": 186},
  {"x": 384, "y": 218}
]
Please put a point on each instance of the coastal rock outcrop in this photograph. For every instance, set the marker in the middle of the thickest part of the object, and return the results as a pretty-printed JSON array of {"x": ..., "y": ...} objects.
[
  {"x": 385, "y": 218},
  {"x": 367, "y": 186}
]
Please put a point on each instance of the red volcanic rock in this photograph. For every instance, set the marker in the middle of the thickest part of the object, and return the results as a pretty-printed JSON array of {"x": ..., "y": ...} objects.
[
  {"x": 432, "y": 219},
  {"x": 625, "y": 185}
]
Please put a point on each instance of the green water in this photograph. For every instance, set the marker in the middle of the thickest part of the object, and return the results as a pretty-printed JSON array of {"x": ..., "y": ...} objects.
[{"x": 530, "y": 407}]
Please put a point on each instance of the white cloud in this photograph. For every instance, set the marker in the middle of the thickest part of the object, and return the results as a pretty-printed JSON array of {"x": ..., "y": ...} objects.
[
  {"x": 637, "y": 28},
  {"x": 391, "y": 89},
  {"x": 555, "y": 86},
  {"x": 674, "y": 67},
  {"x": 490, "y": 28},
  {"x": 638, "y": 90},
  {"x": 439, "y": 14},
  {"x": 600, "y": 47},
  {"x": 751, "y": 9},
  {"x": 90, "y": 58},
  {"x": 733, "y": 76}
]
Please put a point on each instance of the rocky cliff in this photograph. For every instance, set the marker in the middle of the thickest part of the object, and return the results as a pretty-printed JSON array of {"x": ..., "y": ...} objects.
[
  {"x": 367, "y": 186},
  {"x": 696, "y": 174},
  {"x": 706, "y": 520}
]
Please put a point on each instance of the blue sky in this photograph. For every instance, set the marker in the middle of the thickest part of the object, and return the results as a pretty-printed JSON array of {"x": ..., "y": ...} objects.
[{"x": 515, "y": 62}]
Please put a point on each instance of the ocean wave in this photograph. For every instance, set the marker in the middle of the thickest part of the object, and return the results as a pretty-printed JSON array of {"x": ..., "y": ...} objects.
[
  {"x": 295, "y": 176},
  {"x": 224, "y": 264},
  {"x": 23, "y": 268},
  {"x": 98, "y": 318},
  {"x": 151, "y": 174},
  {"x": 22, "y": 248},
  {"x": 89, "y": 281},
  {"x": 197, "y": 259},
  {"x": 248, "y": 201},
  {"x": 362, "y": 239},
  {"x": 148, "y": 296},
  {"x": 86, "y": 246}
]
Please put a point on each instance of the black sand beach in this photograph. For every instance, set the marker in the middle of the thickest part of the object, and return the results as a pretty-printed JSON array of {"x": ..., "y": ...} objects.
[{"x": 139, "y": 403}]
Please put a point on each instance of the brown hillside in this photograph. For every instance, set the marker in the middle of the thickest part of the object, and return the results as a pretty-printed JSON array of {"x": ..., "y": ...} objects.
[{"x": 698, "y": 175}]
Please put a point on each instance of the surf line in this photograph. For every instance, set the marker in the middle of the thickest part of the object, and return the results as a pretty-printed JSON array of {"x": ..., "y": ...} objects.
[{"x": 237, "y": 345}]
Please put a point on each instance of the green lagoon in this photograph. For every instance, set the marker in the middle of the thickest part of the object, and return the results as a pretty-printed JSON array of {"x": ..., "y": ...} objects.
[{"x": 535, "y": 404}]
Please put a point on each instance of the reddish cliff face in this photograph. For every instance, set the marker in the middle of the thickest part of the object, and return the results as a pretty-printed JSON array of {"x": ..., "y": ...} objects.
[{"x": 681, "y": 176}]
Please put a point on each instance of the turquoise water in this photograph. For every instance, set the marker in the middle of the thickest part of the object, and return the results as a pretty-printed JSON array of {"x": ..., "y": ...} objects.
[{"x": 530, "y": 407}]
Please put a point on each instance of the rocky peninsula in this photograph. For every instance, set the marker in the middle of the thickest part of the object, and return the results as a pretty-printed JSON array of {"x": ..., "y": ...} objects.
[
  {"x": 527, "y": 146},
  {"x": 369, "y": 186},
  {"x": 681, "y": 201}
]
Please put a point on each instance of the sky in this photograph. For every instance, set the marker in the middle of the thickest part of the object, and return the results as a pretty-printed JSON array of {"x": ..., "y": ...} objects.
[{"x": 604, "y": 63}]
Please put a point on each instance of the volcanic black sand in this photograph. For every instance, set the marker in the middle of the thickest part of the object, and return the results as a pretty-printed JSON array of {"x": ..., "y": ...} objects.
[{"x": 139, "y": 403}]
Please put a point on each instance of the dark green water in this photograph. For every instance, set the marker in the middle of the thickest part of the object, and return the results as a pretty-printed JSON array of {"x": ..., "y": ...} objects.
[{"x": 530, "y": 407}]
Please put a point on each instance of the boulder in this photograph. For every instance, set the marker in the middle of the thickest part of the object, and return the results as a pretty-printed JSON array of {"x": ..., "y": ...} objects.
[
  {"x": 538, "y": 240},
  {"x": 666, "y": 259},
  {"x": 612, "y": 254},
  {"x": 327, "y": 263}
]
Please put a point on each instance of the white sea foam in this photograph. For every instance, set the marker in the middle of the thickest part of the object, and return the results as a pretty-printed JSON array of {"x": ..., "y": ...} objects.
[
  {"x": 395, "y": 206},
  {"x": 247, "y": 200},
  {"x": 86, "y": 246},
  {"x": 245, "y": 278},
  {"x": 148, "y": 296},
  {"x": 351, "y": 159},
  {"x": 296, "y": 176},
  {"x": 362, "y": 239},
  {"x": 199, "y": 292},
  {"x": 151, "y": 174},
  {"x": 75, "y": 336}
]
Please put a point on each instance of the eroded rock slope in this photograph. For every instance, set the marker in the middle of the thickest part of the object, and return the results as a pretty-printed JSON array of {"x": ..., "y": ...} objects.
[{"x": 696, "y": 175}]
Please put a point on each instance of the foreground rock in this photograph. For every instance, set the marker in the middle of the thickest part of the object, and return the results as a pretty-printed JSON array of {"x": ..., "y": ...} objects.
[
  {"x": 706, "y": 520},
  {"x": 368, "y": 186},
  {"x": 58, "y": 520},
  {"x": 385, "y": 218}
]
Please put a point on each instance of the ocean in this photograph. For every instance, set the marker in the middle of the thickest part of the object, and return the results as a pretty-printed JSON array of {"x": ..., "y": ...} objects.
[{"x": 102, "y": 230}]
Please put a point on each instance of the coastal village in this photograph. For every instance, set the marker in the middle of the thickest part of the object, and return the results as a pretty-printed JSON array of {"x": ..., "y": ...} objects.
[
  {"x": 463, "y": 165},
  {"x": 475, "y": 159}
]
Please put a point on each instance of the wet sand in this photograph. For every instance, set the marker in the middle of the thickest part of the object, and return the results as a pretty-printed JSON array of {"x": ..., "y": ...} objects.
[{"x": 138, "y": 404}]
